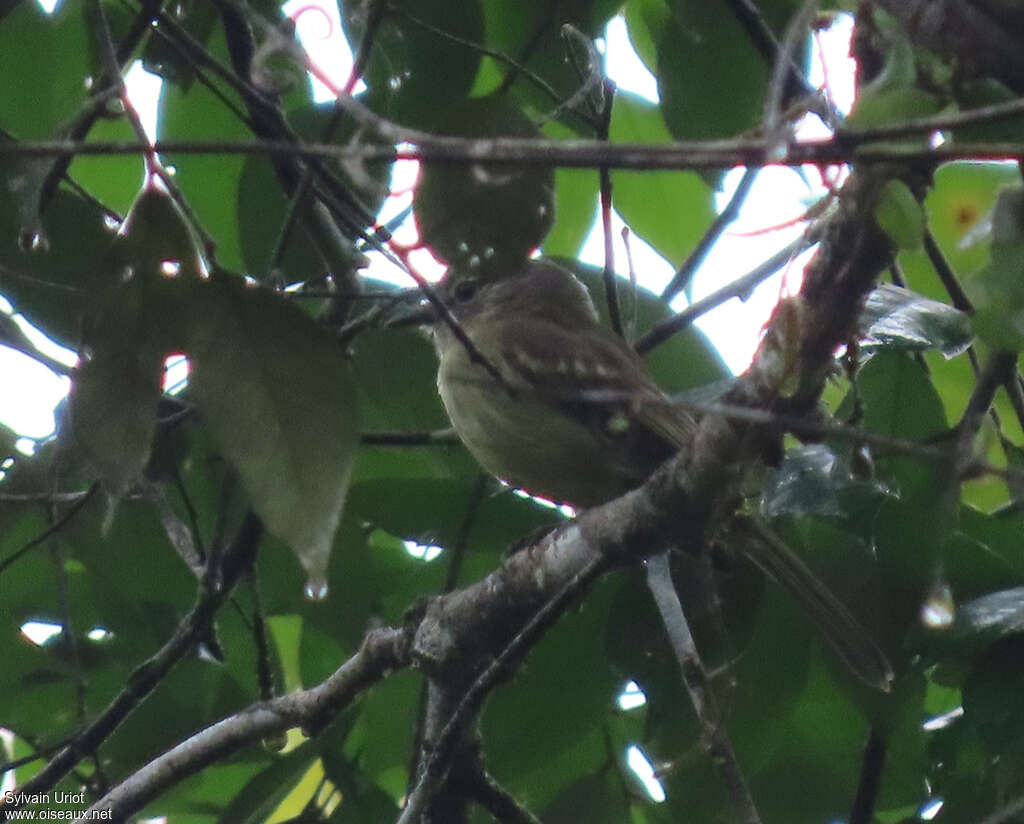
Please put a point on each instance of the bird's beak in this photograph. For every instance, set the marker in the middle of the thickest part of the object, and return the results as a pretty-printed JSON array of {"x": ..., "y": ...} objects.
[{"x": 413, "y": 314}]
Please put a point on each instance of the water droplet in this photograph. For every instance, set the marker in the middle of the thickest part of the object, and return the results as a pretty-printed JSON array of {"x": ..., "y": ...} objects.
[
  {"x": 394, "y": 83},
  {"x": 88, "y": 83},
  {"x": 939, "y": 611},
  {"x": 34, "y": 241},
  {"x": 316, "y": 588},
  {"x": 180, "y": 11},
  {"x": 275, "y": 743}
]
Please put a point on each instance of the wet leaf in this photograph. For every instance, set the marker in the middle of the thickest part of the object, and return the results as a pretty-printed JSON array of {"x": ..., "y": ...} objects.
[{"x": 277, "y": 393}]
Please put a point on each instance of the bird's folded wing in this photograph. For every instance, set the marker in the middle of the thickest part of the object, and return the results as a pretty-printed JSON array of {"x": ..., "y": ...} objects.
[{"x": 595, "y": 370}]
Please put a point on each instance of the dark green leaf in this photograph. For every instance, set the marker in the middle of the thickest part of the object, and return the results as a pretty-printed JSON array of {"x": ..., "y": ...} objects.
[
  {"x": 685, "y": 361},
  {"x": 415, "y": 72},
  {"x": 699, "y": 39},
  {"x": 480, "y": 217},
  {"x": 896, "y": 318},
  {"x": 813, "y": 480}
]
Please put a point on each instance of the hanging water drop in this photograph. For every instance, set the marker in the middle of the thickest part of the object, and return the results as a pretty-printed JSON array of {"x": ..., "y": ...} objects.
[
  {"x": 33, "y": 241},
  {"x": 316, "y": 588}
]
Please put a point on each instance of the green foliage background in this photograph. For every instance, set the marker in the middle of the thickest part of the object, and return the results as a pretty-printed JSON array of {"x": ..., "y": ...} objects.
[{"x": 275, "y": 404}]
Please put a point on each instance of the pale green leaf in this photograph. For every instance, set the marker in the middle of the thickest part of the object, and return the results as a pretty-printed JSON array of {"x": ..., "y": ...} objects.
[{"x": 277, "y": 393}]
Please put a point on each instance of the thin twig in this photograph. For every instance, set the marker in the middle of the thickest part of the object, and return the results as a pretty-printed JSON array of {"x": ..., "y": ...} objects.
[
  {"x": 362, "y": 58},
  {"x": 740, "y": 287},
  {"x": 681, "y": 279},
  {"x": 264, "y": 671},
  {"x": 53, "y": 529},
  {"x": 608, "y": 274},
  {"x": 946, "y": 274},
  {"x": 871, "y": 764},
  {"x": 148, "y": 675},
  {"x": 498, "y": 801},
  {"x": 767, "y": 45},
  {"x": 783, "y": 71},
  {"x": 695, "y": 679}
]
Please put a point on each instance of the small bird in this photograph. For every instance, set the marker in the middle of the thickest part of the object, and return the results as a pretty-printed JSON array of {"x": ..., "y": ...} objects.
[
  {"x": 548, "y": 400},
  {"x": 574, "y": 416}
]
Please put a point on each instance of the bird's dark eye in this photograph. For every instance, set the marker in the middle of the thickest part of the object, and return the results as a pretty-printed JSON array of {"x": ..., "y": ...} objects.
[{"x": 465, "y": 289}]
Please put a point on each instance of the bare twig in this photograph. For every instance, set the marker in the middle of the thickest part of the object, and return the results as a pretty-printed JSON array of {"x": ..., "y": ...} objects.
[
  {"x": 695, "y": 679},
  {"x": 871, "y": 764},
  {"x": 498, "y": 801},
  {"x": 681, "y": 279},
  {"x": 946, "y": 274},
  {"x": 53, "y": 529},
  {"x": 740, "y": 287},
  {"x": 782, "y": 71}
]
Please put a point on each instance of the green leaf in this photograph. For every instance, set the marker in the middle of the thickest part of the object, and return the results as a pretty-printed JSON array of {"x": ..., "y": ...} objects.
[
  {"x": 684, "y": 361},
  {"x": 254, "y": 803},
  {"x": 546, "y": 697},
  {"x": 980, "y": 92},
  {"x": 113, "y": 411},
  {"x": 992, "y": 617},
  {"x": 899, "y": 399},
  {"x": 894, "y": 95},
  {"x": 118, "y": 383},
  {"x": 702, "y": 40},
  {"x": 114, "y": 181},
  {"x": 575, "y": 201},
  {"x": 52, "y": 270},
  {"x": 896, "y": 318},
  {"x": 415, "y": 73},
  {"x": 162, "y": 57},
  {"x": 208, "y": 181},
  {"x": 997, "y": 291},
  {"x": 899, "y": 215},
  {"x": 597, "y": 799},
  {"x": 480, "y": 217},
  {"x": 958, "y": 207},
  {"x": 993, "y": 698},
  {"x": 42, "y": 94},
  {"x": 814, "y": 480},
  {"x": 277, "y": 393},
  {"x": 361, "y": 798},
  {"x": 670, "y": 210},
  {"x": 396, "y": 371}
]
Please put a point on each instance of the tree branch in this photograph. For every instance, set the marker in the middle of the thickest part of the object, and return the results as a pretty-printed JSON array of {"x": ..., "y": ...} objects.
[{"x": 382, "y": 650}]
